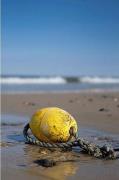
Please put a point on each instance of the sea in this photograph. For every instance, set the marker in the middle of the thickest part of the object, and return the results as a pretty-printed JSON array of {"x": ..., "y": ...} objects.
[{"x": 37, "y": 84}]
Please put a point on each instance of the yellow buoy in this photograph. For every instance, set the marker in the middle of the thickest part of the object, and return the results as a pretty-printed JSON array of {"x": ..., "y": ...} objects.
[{"x": 53, "y": 125}]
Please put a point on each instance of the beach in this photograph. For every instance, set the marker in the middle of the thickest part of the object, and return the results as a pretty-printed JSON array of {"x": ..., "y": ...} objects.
[
  {"x": 60, "y": 54},
  {"x": 97, "y": 115}
]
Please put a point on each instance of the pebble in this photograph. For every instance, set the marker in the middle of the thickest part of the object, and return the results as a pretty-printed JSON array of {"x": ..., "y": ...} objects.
[
  {"x": 103, "y": 109},
  {"x": 115, "y": 99},
  {"x": 45, "y": 162},
  {"x": 90, "y": 99},
  {"x": 29, "y": 103},
  {"x": 71, "y": 101}
]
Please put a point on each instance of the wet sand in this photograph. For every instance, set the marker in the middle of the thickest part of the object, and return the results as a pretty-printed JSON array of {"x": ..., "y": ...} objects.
[{"x": 97, "y": 115}]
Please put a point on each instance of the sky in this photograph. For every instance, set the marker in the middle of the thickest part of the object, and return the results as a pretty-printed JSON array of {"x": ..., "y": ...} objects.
[{"x": 60, "y": 37}]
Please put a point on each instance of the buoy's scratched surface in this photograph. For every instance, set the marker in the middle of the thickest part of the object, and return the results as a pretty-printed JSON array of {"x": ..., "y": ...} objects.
[{"x": 53, "y": 125}]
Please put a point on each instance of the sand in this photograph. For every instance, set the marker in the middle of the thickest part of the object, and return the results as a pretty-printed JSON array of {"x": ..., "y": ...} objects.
[{"x": 97, "y": 115}]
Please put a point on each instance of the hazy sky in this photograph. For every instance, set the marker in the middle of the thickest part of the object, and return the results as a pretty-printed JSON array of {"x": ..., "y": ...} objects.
[{"x": 60, "y": 37}]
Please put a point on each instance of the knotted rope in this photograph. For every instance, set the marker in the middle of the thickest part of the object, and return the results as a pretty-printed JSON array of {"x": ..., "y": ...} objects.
[{"x": 90, "y": 148}]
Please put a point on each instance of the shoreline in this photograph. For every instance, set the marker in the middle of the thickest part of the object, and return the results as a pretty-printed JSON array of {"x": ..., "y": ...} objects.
[{"x": 91, "y": 90}]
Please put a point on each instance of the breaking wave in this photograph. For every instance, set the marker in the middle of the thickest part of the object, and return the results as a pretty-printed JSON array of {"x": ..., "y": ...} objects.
[
  {"x": 32, "y": 80},
  {"x": 100, "y": 80},
  {"x": 58, "y": 80}
]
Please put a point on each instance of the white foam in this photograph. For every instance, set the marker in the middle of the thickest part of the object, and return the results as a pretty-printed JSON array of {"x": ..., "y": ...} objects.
[
  {"x": 99, "y": 80},
  {"x": 40, "y": 80},
  {"x": 58, "y": 80}
]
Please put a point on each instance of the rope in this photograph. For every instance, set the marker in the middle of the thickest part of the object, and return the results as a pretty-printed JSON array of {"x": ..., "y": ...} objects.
[{"x": 90, "y": 148}]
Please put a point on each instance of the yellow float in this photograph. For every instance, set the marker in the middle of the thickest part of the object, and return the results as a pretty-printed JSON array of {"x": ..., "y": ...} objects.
[{"x": 53, "y": 124}]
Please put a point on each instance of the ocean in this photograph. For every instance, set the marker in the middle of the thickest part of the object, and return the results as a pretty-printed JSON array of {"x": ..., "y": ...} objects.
[{"x": 29, "y": 84}]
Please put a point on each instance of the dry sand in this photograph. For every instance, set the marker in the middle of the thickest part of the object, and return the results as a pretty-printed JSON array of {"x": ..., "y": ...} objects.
[
  {"x": 94, "y": 112},
  {"x": 98, "y": 110}
]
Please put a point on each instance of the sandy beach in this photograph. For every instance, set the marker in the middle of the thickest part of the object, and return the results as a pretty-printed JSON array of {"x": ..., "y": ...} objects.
[
  {"x": 64, "y": 54},
  {"x": 97, "y": 115}
]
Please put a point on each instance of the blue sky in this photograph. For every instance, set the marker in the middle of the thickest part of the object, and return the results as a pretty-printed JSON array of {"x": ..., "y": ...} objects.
[{"x": 60, "y": 37}]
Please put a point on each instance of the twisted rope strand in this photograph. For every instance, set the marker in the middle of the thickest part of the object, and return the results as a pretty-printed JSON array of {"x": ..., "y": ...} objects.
[{"x": 90, "y": 148}]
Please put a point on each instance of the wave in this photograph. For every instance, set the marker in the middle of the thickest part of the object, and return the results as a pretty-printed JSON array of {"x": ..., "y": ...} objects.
[
  {"x": 32, "y": 80},
  {"x": 58, "y": 80},
  {"x": 100, "y": 80}
]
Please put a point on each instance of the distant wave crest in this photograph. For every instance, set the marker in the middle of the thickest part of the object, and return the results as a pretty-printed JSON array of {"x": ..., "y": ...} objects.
[
  {"x": 40, "y": 80},
  {"x": 58, "y": 80},
  {"x": 100, "y": 80}
]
